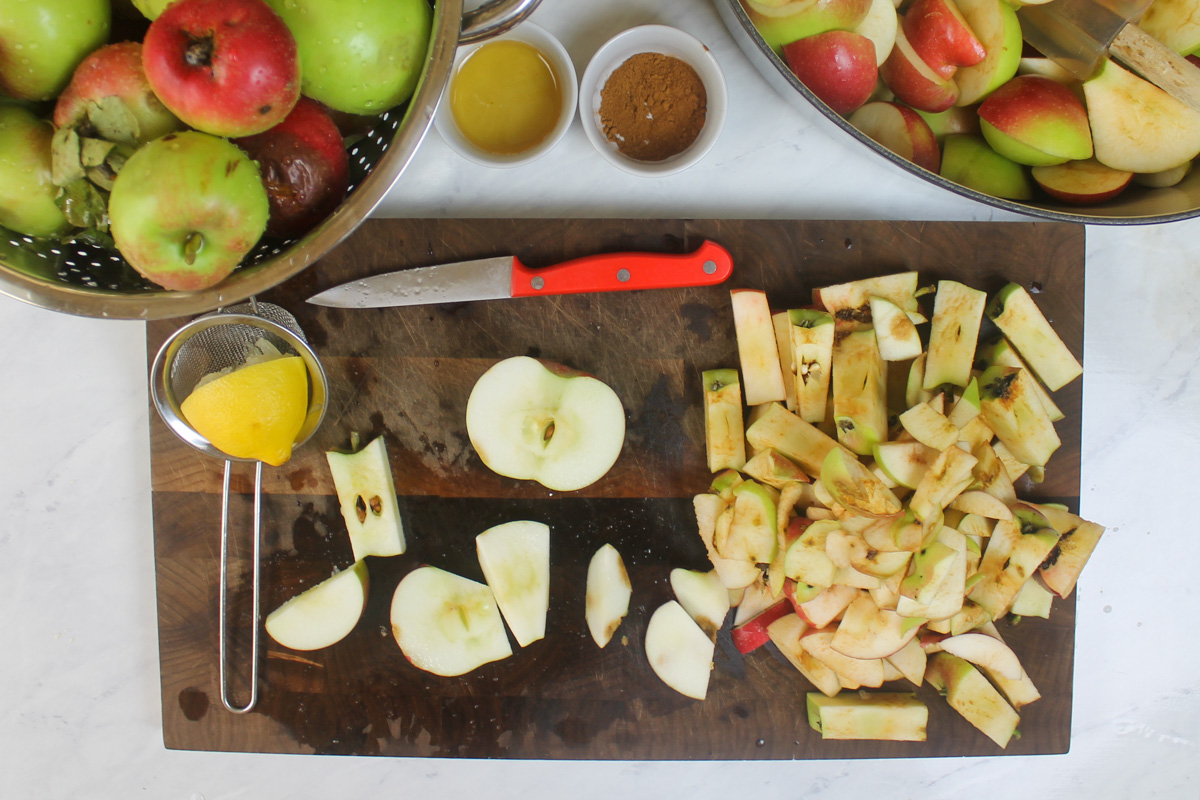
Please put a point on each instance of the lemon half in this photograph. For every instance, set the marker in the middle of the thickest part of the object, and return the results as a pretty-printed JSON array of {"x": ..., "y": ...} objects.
[{"x": 253, "y": 412}]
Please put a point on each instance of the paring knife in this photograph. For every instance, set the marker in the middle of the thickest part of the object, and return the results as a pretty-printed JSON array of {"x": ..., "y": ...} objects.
[
  {"x": 1078, "y": 34},
  {"x": 505, "y": 276}
]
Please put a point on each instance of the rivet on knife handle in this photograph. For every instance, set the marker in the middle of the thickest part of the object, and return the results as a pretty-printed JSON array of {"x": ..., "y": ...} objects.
[{"x": 709, "y": 264}]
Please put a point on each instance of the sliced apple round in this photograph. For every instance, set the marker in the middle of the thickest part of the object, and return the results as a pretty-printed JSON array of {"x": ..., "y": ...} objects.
[
  {"x": 607, "y": 595},
  {"x": 535, "y": 421},
  {"x": 447, "y": 624},
  {"x": 323, "y": 615},
  {"x": 515, "y": 558},
  {"x": 679, "y": 652}
]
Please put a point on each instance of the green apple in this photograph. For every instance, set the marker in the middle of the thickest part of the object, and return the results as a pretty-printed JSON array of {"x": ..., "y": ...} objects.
[
  {"x": 152, "y": 8},
  {"x": 545, "y": 422},
  {"x": 186, "y": 209},
  {"x": 362, "y": 57},
  {"x": 1036, "y": 121},
  {"x": 26, "y": 191},
  {"x": 970, "y": 161},
  {"x": 724, "y": 435},
  {"x": 782, "y": 23},
  {"x": 995, "y": 24},
  {"x": 42, "y": 42}
]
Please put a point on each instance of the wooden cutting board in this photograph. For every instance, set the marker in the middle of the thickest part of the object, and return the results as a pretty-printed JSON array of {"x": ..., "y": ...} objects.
[{"x": 406, "y": 373}]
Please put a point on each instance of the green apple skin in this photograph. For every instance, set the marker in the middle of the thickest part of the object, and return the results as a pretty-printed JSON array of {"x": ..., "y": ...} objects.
[
  {"x": 809, "y": 18},
  {"x": 152, "y": 8},
  {"x": 1036, "y": 121},
  {"x": 188, "y": 186},
  {"x": 970, "y": 161},
  {"x": 42, "y": 42},
  {"x": 26, "y": 192},
  {"x": 360, "y": 58}
]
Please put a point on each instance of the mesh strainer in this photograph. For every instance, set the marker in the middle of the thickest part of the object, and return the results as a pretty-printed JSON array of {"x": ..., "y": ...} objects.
[{"x": 210, "y": 344}]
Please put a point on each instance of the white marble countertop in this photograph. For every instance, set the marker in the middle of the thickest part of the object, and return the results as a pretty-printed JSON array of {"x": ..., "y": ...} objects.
[{"x": 80, "y": 714}]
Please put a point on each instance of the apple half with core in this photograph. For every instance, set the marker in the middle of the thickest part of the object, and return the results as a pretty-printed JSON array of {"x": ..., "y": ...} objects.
[
  {"x": 225, "y": 67},
  {"x": 447, "y": 624},
  {"x": 533, "y": 420},
  {"x": 186, "y": 209},
  {"x": 322, "y": 615}
]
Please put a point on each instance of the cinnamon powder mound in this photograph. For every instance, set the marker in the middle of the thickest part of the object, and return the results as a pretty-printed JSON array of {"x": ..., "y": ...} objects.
[{"x": 653, "y": 106}]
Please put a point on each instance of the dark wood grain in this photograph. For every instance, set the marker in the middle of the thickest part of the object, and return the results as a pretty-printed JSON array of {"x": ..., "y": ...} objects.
[{"x": 407, "y": 373}]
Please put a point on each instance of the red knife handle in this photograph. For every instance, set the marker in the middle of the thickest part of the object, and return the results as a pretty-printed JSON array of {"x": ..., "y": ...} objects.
[{"x": 614, "y": 272}]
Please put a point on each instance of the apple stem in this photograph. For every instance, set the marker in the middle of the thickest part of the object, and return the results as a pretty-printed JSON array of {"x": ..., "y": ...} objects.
[
  {"x": 199, "y": 52},
  {"x": 192, "y": 246}
]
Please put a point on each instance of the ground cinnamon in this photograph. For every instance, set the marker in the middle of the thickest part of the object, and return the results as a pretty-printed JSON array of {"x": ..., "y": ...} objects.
[{"x": 653, "y": 106}]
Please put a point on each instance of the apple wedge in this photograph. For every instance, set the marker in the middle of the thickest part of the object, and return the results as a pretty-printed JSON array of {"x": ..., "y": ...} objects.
[
  {"x": 859, "y": 386},
  {"x": 606, "y": 600},
  {"x": 953, "y": 332},
  {"x": 724, "y": 433},
  {"x": 679, "y": 652},
  {"x": 887, "y": 716},
  {"x": 322, "y": 615},
  {"x": 985, "y": 651},
  {"x": 970, "y": 694},
  {"x": 703, "y": 596},
  {"x": 811, "y": 335},
  {"x": 852, "y": 672},
  {"x": 545, "y": 422},
  {"x": 447, "y": 624},
  {"x": 1026, "y": 327},
  {"x": 895, "y": 333},
  {"x": 1011, "y": 408},
  {"x": 712, "y": 512},
  {"x": 367, "y": 498},
  {"x": 910, "y": 661},
  {"x": 752, "y": 634},
  {"x": 515, "y": 558},
  {"x": 867, "y": 631},
  {"x": 854, "y": 486},
  {"x": 785, "y": 634},
  {"x": 800, "y": 441},
  {"x": 762, "y": 376}
]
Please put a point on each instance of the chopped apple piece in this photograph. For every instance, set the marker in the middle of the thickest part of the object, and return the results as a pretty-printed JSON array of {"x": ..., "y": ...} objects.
[
  {"x": 703, "y": 596},
  {"x": 762, "y": 376},
  {"x": 724, "y": 434},
  {"x": 515, "y": 558},
  {"x": 854, "y": 486},
  {"x": 850, "y": 303},
  {"x": 1015, "y": 414},
  {"x": 982, "y": 504},
  {"x": 896, "y": 334},
  {"x": 953, "y": 332},
  {"x": 711, "y": 511},
  {"x": 322, "y": 615},
  {"x": 606, "y": 600},
  {"x": 929, "y": 427},
  {"x": 859, "y": 391},
  {"x": 447, "y": 624},
  {"x": 1034, "y": 600},
  {"x": 970, "y": 694},
  {"x": 812, "y": 334},
  {"x": 679, "y": 652},
  {"x": 782, "y": 324},
  {"x": 985, "y": 651},
  {"x": 946, "y": 477},
  {"x": 826, "y": 606},
  {"x": 909, "y": 661},
  {"x": 785, "y": 634},
  {"x": 1000, "y": 353},
  {"x": 852, "y": 672},
  {"x": 1020, "y": 692},
  {"x": 867, "y": 631},
  {"x": 1022, "y": 322},
  {"x": 752, "y": 534},
  {"x": 887, "y": 716},
  {"x": 752, "y": 634},
  {"x": 915, "y": 391},
  {"x": 794, "y": 438},
  {"x": 1078, "y": 539},
  {"x": 966, "y": 407},
  {"x": 367, "y": 497},
  {"x": 773, "y": 468},
  {"x": 1011, "y": 559},
  {"x": 904, "y": 462},
  {"x": 806, "y": 559}
]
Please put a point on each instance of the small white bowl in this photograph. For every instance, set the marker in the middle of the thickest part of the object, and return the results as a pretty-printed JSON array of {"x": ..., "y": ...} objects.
[
  {"x": 653, "y": 39},
  {"x": 556, "y": 55}
]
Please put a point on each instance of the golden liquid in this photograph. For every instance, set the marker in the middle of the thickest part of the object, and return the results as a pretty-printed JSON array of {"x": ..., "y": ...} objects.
[{"x": 505, "y": 98}]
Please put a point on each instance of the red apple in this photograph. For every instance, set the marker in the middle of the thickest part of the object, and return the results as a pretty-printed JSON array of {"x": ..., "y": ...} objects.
[
  {"x": 115, "y": 70},
  {"x": 913, "y": 81},
  {"x": 752, "y": 634},
  {"x": 941, "y": 37},
  {"x": 304, "y": 168},
  {"x": 901, "y": 130},
  {"x": 1081, "y": 182},
  {"x": 1036, "y": 121},
  {"x": 837, "y": 66},
  {"x": 225, "y": 67}
]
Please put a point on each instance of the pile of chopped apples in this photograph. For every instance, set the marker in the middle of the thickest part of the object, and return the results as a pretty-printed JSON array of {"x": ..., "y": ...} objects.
[{"x": 863, "y": 515}]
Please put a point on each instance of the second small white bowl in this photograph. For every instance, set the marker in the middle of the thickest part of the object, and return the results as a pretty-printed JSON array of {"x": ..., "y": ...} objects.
[
  {"x": 558, "y": 58},
  {"x": 670, "y": 42}
]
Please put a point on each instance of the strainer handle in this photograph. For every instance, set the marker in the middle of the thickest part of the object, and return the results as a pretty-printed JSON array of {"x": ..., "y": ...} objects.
[
  {"x": 494, "y": 18},
  {"x": 224, "y": 591}
]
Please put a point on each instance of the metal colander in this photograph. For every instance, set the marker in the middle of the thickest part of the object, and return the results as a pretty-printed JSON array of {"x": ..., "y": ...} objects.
[
  {"x": 213, "y": 343},
  {"x": 89, "y": 280}
]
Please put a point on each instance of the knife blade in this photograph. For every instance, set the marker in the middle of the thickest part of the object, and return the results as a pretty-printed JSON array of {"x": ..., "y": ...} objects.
[{"x": 505, "y": 277}]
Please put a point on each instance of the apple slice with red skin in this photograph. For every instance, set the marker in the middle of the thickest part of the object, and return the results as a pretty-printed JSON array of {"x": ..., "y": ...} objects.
[
  {"x": 839, "y": 67},
  {"x": 304, "y": 168},
  {"x": 225, "y": 67},
  {"x": 752, "y": 634},
  {"x": 913, "y": 81},
  {"x": 1036, "y": 121},
  {"x": 901, "y": 130},
  {"x": 115, "y": 70},
  {"x": 941, "y": 37},
  {"x": 827, "y": 606},
  {"x": 1082, "y": 183}
]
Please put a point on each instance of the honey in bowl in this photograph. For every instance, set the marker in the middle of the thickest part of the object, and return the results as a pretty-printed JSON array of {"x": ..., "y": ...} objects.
[{"x": 506, "y": 98}]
